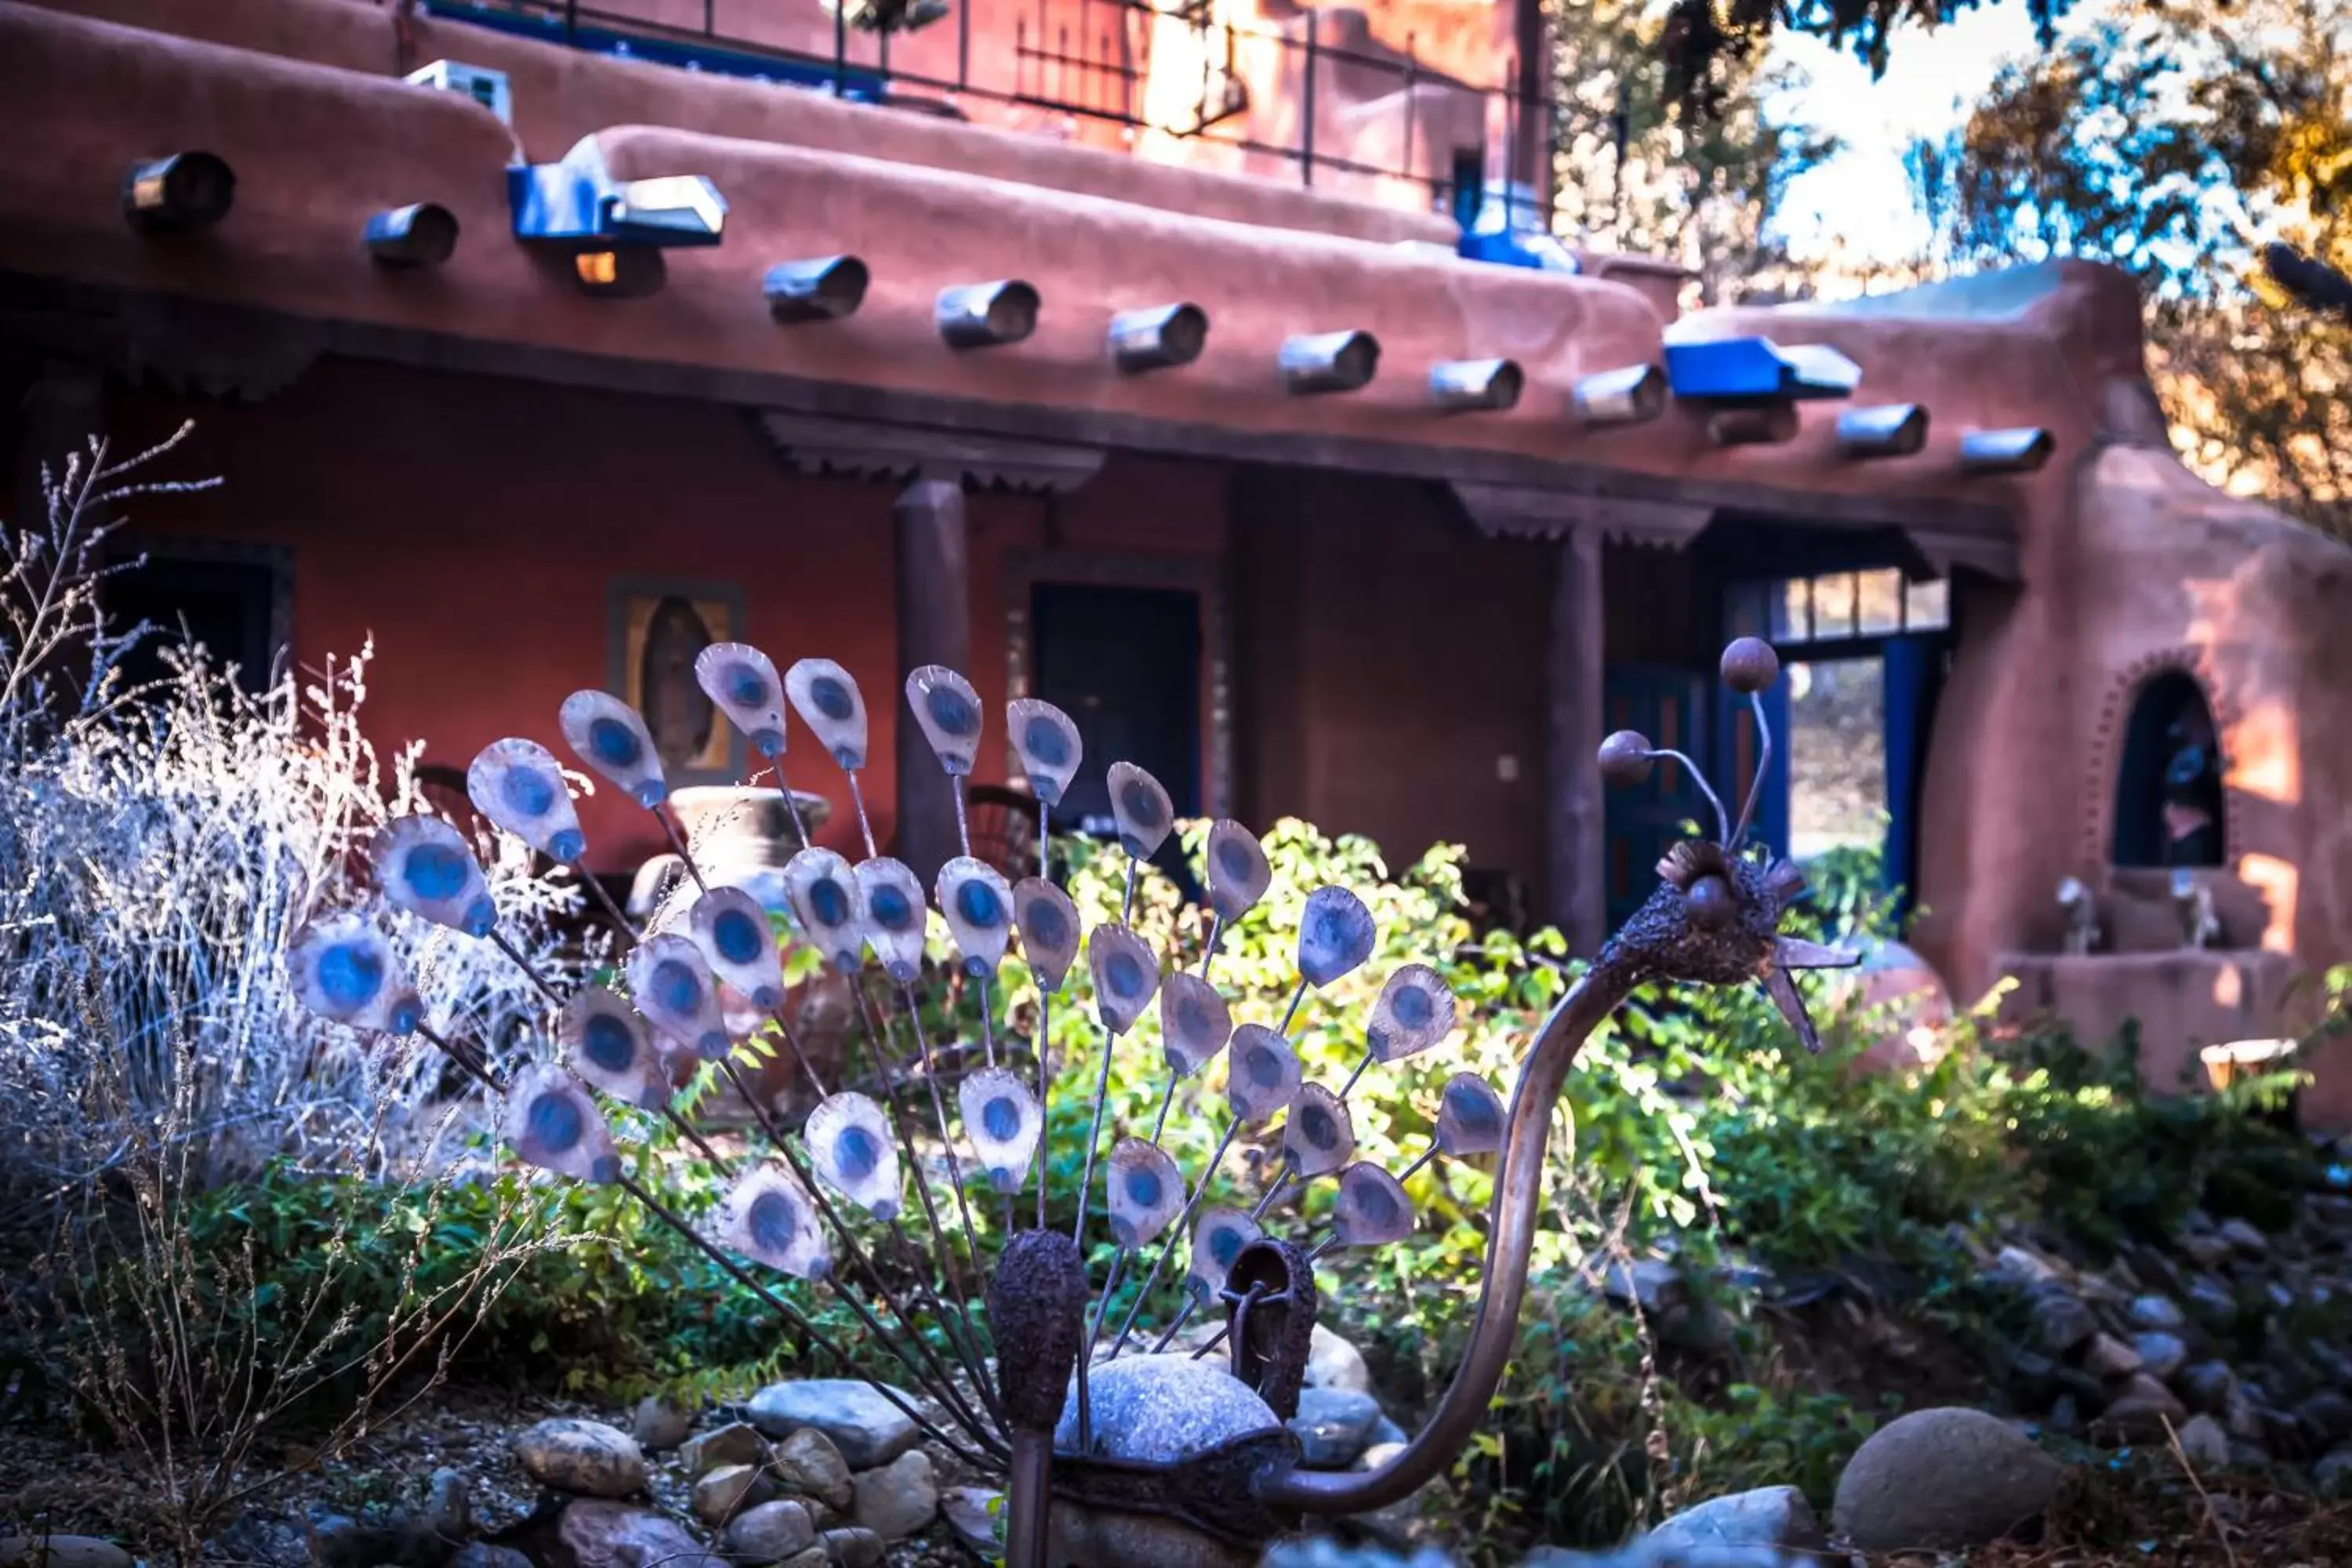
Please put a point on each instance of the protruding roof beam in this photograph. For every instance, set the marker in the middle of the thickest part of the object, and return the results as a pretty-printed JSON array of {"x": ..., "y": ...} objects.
[
  {"x": 1329, "y": 362},
  {"x": 422, "y": 235},
  {"x": 1462, "y": 386},
  {"x": 178, "y": 195},
  {"x": 1882, "y": 430},
  {"x": 986, "y": 315},
  {"x": 822, "y": 289},
  {"x": 1160, "y": 337},
  {"x": 2017, "y": 451},
  {"x": 1627, "y": 396}
]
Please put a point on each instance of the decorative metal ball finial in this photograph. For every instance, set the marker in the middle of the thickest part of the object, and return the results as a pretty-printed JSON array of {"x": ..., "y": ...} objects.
[
  {"x": 1625, "y": 757},
  {"x": 1750, "y": 666}
]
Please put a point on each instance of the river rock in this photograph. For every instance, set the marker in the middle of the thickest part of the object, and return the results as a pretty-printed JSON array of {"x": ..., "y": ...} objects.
[
  {"x": 2142, "y": 1408},
  {"x": 867, "y": 1428},
  {"x": 585, "y": 1457},
  {"x": 2061, "y": 1322},
  {"x": 1161, "y": 1408},
  {"x": 1333, "y": 1362},
  {"x": 2205, "y": 1443},
  {"x": 2155, "y": 1312},
  {"x": 482, "y": 1554},
  {"x": 2333, "y": 1474},
  {"x": 2160, "y": 1353},
  {"x": 971, "y": 1512},
  {"x": 61, "y": 1552},
  {"x": 729, "y": 1490},
  {"x": 808, "y": 1463},
  {"x": 2108, "y": 1357},
  {"x": 1333, "y": 1425},
  {"x": 773, "y": 1532},
  {"x": 1653, "y": 1284},
  {"x": 853, "y": 1547},
  {"x": 734, "y": 1444},
  {"x": 660, "y": 1425},
  {"x": 2244, "y": 1237},
  {"x": 2208, "y": 1385},
  {"x": 1777, "y": 1517},
  {"x": 448, "y": 1511},
  {"x": 614, "y": 1535},
  {"x": 899, "y": 1499},
  {"x": 1940, "y": 1479}
]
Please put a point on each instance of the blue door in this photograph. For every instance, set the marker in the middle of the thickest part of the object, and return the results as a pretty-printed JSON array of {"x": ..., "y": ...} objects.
[{"x": 1670, "y": 707}]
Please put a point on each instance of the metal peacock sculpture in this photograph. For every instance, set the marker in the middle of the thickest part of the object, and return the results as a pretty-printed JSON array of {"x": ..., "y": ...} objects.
[{"x": 1039, "y": 1389}]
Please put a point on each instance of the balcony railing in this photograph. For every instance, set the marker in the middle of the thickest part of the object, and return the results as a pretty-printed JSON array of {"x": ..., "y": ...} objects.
[{"x": 1348, "y": 114}]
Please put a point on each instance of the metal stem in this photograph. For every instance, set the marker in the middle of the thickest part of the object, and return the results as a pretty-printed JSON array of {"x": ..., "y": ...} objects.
[
  {"x": 940, "y": 1111},
  {"x": 621, "y": 926},
  {"x": 1166, "y": 1249},
  {"x": 1763, "y": 767},
  {"x": 791, "y": 801},
  {"x": 946, "y": 1387},
  {"x": 987, "y": 1020},
  {"x": 791, "y": 1315},
  {"x": 1093, "y": 1137},
  {"x": 1045, "y": 1039},
  {"x": 1519, "y": 1193},
  {"x": 498, "y": 940},
  {"x": 1349, "y": 1087},
  {"x": 1216, "y": 934},
  {"x": 479, "y": 1067},
  {"x": 1722, "y": 822},
  {"x": 1291, "y": 1012},
  {"x": 943, "y": 1248},
  {"x": 865, "y": 822},
  {"x": 678, "y": 842},
  {"x": 1028, "y": 1497}
]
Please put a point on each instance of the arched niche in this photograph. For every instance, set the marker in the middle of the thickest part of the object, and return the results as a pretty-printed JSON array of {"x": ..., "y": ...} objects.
[{"x": 2169, "y": 808}]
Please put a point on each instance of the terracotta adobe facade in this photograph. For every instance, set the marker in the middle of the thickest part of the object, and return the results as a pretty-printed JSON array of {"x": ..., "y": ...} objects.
[{"x": 1406, "y": 620}]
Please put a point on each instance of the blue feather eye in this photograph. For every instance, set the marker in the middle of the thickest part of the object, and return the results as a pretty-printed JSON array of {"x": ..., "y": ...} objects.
[
  {"x": 849, "y": 1147},
  {"x": 1047, "y": 745},
  {"x": 607, "y": 1043},
  {"x": 611, "y": 737},
  {"x": 831, "y": 697},
  {"x": 350, "y": 974},
  {"x": 555, "y": 1122},
  {"x": 856, "y": 1152}
]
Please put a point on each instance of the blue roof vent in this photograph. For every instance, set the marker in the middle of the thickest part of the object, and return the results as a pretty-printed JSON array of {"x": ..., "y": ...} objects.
[
  {"x": 1509, "y": 232},
  {"x": 1758, "y": 370},
  {"x": 578, "y": 202}
]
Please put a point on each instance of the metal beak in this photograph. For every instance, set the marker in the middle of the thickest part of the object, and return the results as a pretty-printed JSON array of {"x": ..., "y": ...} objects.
[
  {"x": 1796, "y": 952},
  {"x": 1779, "y": 986}
]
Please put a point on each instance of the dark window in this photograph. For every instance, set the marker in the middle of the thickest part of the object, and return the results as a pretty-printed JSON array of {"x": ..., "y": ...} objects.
[
  {"x": 2168, "y": 785},
  {"x": 226, "y": 607}
]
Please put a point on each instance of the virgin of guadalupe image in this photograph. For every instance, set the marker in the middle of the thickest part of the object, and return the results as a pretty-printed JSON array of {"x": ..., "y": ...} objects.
[{"x": 676, "y": 710}]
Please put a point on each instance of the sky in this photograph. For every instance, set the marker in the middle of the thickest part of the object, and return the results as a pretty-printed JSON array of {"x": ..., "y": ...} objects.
[{"x": 1861, "y": 195}]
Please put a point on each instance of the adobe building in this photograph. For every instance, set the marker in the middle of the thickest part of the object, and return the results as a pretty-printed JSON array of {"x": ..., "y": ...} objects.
[{"x": 1339, "y": 521}]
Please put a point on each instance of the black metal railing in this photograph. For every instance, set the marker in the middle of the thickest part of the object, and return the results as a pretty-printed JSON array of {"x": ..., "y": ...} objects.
[{"x": 1089, "y": 60}]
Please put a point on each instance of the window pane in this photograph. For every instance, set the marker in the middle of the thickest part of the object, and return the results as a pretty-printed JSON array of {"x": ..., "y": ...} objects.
[
  {"x": 1745, "y": 610},
  {"x": 1834, "y": 605},
  {"x": 1928, "y": 607},
  {"x": 1792, "y": 619},
  {"x": 1881, "y": 602}
]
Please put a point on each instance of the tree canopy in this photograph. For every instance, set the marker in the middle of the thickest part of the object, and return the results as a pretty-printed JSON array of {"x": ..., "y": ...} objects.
[{"x": 2209, "y": 152}]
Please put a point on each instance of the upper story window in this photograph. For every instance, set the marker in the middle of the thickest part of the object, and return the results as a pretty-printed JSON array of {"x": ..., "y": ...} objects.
[{"x": 1840, "y": 607}]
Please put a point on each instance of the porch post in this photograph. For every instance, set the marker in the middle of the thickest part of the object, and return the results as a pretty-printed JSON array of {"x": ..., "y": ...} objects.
[
  {"x": 1575, "y": 824},
  {"x": 934, "y": 628}
]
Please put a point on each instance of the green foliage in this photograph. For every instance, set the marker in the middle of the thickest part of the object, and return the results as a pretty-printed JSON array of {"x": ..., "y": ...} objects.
[{"x": 1694, "y": 1123}]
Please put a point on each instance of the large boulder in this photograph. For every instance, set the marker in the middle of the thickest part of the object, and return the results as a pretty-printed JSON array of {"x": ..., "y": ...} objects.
[
  {"x": 1161, "y": 1408},
  {"x": 1942, "y": 1480},
  {"x": 1777, "y": 1517},
  {"x": 614, "y": 1535},
  {"x": 61, "y": 1552},
  {"x": 863, "y": 1422},
  {"x": 587, "y": 1459}
]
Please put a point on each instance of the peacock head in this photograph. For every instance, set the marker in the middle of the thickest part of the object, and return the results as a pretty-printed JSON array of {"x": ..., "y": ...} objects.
[{"x": 1715, "y": 917}]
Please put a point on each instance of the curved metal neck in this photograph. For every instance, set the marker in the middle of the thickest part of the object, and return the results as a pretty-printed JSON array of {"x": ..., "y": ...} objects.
[{"x": 1519, "y": 1193}]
